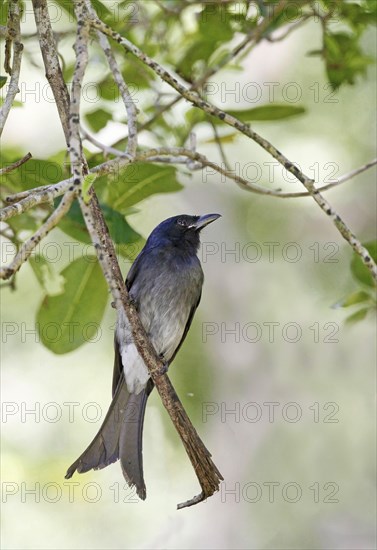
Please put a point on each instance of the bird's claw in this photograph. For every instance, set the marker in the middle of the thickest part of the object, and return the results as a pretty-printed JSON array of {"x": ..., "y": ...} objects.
[{"x": 164, "y": 367}]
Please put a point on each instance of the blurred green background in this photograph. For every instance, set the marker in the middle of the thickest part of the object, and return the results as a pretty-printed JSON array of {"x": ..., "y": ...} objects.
[{"x": 281, "y": 390}]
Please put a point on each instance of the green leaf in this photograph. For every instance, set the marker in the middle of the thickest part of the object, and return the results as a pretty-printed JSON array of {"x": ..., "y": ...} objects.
[
  {"x": 86, "y": 185},
  {"x": 352, "y": 299},
  {"x": 262, "y": 113},
  {"x": 46, "y": 276},
  {"x": 268, "y": 112},
  {"x": 3, "y": 80},
  {"x": 128, "y": 241},
  {"x": 344, "y": 58},
  {"x": 358, "y": 16},
  {"x": 139, "y": 181},
  {"x": 68, "y": 71},
  {"x": 214, "y": 29},
  {"x": 27, "y": 221},
  {"x": 98, "y": 119},
  {"x": 32, "y": 174},
  {"x": 120, "y": 230},
  {"x": 227, "y": 138},
  {"x": 358, "y": 316},
  {"x": 108, "y": 89},
  {"x": 358, "y": 268},
  {"x": 70, "y": 319},
  {"x": 4, "y": 12},
  {"x": 102, "y": 11},
  {"x": 137, "y": 77}
]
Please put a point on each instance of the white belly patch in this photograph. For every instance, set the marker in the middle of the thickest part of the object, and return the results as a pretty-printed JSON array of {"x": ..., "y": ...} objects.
[{"x": 135, "y": 371}]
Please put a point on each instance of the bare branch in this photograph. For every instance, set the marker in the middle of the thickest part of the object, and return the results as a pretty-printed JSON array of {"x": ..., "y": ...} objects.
[
  {"x": 81, "y": 61},
  {"x": 107, "y": 150},
  {"x": 349, "y": 176},
  {"x": 33, "y": 198},
  {"x": 15, "y": 165},
  {"x": 290, "y": 29},
  {"x": 50, "y": 56},
  {"x": 125, "y": 93}
]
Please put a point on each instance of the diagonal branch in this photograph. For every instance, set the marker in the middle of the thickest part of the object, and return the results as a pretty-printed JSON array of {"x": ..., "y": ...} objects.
[
  {"x": 50, "y": 56},
  {"x": 349, "y": 175},
  {"x": 15, "y": 165},
  {"x": 125, "y": 93}
]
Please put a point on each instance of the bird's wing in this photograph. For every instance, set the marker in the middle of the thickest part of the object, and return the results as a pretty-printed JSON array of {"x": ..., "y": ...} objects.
[
  {"x": 118, "y": 366},
  {"x": 118, "y": 372},
  {"x": 187, "y": 327}
]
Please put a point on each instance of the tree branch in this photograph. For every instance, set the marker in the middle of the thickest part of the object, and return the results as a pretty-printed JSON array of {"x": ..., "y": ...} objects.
[
  {"x": 50, "y": 56},
  {"x": 349, "y": 175},
  {"x": 125, "y": 93},
  {"x": 15, "y": 165}
]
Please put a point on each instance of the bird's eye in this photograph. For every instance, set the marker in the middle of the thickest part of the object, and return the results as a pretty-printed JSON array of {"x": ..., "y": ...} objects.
[{"x": 182, "y": 222}]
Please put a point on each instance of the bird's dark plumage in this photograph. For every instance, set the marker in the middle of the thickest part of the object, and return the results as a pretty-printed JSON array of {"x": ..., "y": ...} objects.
[{"x": 165, "y": 283}]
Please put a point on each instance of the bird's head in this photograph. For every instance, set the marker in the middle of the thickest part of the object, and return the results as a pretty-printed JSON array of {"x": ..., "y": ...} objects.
[{"x": 182, "y": 231}]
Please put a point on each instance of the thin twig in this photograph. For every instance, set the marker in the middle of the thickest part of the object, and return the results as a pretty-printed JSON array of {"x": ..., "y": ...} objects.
[
  {"x": 15, "y": 165},
  {"x": 124, "y": 92},
  {"x": 81, "y": 61},
  {"x": 107, "y": 150},
  {"x": 350, "y": 175},
  {"x": 292, "y": 28},
  {"x": 220, "y": 146},
  {"x": 34, "y": 197}
]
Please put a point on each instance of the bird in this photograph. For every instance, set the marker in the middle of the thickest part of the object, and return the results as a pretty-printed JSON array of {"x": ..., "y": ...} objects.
[{"x": 165, "y": 285}]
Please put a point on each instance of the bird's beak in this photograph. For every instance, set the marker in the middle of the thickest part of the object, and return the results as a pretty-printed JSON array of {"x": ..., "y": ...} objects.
[{"x": 205, "y": 220}]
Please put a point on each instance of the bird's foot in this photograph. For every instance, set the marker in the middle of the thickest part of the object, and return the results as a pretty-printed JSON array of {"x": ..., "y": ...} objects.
[{"x": 164, "y": 367}]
